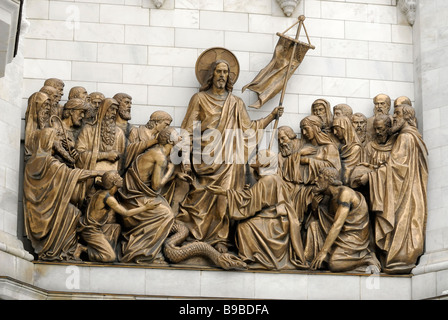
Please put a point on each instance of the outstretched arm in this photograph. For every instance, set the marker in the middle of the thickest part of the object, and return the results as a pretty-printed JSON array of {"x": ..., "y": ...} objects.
[
  {"x": 216, "y": 190},
  {"x": 118, "y": 208},
  {"x": 277, "y": 112},
  {"x": 344, "y": 205},
  {"x": 87, "y": 174}
]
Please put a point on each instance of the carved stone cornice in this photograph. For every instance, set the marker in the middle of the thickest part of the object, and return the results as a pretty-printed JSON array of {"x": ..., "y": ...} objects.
[
  {"x": 409, "y": 8},
  {"x": 158, "y": 3},
  {"x": 288, "y": 6},
  {"x": 9, "y": 15}
]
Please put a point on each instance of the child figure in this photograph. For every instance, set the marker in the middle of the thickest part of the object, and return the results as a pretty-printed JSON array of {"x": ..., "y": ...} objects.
[{"x": 97, "y": 227}]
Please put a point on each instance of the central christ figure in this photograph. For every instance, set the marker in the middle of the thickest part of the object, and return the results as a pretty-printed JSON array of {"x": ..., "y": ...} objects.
[{"x": 219, "y": 125}]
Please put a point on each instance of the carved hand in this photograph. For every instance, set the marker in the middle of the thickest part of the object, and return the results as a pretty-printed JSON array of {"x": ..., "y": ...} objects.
[
  {"x": 278, "y": 112},
  {"x": 185, "y": 177},
  {"x": 317, "y": 262},
  {"x": 362, "y": 180},
  {"x": 151, "y": 205},
  {"x": 111, "y": 156},
  {"x": 74, "y": 153},
  {"x": 186, "y": 168},
  {"x": 216, "y": 190},
  {"x": 306, "y": 151},
  {"x": 316, "y": 200}
]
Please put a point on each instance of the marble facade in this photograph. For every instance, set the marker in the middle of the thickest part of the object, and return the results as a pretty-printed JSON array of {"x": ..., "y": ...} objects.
[{"x": 363, "y": 47}]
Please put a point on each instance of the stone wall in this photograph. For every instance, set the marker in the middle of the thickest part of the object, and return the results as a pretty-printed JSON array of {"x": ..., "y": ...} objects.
[
  {"x": 362, "y": 48},
  {"x": 14, "y": 260},
  {"x": 431, "y": 42}
]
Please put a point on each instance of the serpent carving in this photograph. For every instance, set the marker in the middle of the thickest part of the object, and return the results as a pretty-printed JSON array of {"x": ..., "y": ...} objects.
[{"x": 175, "y": 253}]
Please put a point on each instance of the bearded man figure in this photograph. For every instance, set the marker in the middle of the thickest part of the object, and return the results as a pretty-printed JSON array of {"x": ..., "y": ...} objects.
[
  {"x": 359, "y": 121},
  {"x": 50, "y": 215},
  {"x": 379, "y": 149},
  {"x": 398, "y": 192},
  {"x": 70, "y": 126},
  {"x": 100, "y": 145},
  {"x": 143, "y": 137},
  {"x": 122, "y": 121},
  {"x": 219, "y": 114},
  {"x": 382, "y": 104},
  {"x": 37, "y": 117},
  {"x": 124, "y": 112}
]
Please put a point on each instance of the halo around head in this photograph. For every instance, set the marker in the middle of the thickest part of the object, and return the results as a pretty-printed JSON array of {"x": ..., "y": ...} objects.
[{"x": 209, "y": 56}]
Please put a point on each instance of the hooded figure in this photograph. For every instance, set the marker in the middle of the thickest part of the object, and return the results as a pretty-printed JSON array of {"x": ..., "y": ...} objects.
[
  {"x": 100, "y": 144},
  {"x": 37, "y": 117},
  {"x": 50, "y": 217},
  {"x": 350, "y": 149}
]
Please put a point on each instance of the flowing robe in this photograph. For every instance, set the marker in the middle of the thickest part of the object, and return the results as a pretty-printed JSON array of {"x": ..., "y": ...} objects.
[
  {"x": 32, "y": 126},
  {"x": 351, "y": 156},
  {"x": 351, "y": 248},
  {"x": 352, "y": 152},
  {"x": 90, "y": 144},
  {"x": 203, "y": 212},
  {"x": 138, "y": 143},
  {"x": 376, "y": 153},
  {"x": 50, "y": 218},
  {"x": 144, "y": 232},
  {"x": 268, "y": 231},
  {"x": 300, "y": 177},
  {"x": 398, "y": 192}
]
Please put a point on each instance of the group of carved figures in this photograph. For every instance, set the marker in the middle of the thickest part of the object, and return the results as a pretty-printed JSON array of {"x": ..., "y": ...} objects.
[{"x": 349, "y": 195}]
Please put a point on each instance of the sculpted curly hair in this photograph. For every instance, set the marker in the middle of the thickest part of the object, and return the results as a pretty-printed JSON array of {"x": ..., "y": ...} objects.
[{"x": 332, "y": 175}]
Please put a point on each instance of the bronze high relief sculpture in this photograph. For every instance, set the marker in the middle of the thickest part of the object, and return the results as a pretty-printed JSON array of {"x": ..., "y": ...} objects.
[{"x": 346, "y": 195}]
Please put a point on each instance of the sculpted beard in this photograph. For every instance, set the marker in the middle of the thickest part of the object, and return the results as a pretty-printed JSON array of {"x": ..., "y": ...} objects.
[
  {"x": 361, "y": 133},
  {"x": 108, "y": 129},
  {"x": 382, "y": 138},
  {"x": 43, "y": 119},
  {"x": 397, "y": 125},
  {"x": 286, "y": 149},
  {"x": 124, "y": 114}
]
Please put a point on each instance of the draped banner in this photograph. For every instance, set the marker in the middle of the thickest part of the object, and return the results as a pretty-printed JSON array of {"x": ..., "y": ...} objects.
[{"x": 270, "y": 80}]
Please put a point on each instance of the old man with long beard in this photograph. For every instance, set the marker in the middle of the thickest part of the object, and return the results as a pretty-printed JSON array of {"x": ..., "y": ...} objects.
[
  {"x": 398, "y": 193},
  {"x": 100, "y": 145}
]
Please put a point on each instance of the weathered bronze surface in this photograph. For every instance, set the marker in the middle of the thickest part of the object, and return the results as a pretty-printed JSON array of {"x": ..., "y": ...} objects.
[{"x": 347, "y": 195}]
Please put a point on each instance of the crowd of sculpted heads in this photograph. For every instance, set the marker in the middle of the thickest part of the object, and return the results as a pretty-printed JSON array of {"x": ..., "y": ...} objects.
[{"x": 98, "y": 188}]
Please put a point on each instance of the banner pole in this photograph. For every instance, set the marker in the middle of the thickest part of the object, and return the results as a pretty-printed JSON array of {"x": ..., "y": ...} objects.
[{"x": 301, "y": 19}]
